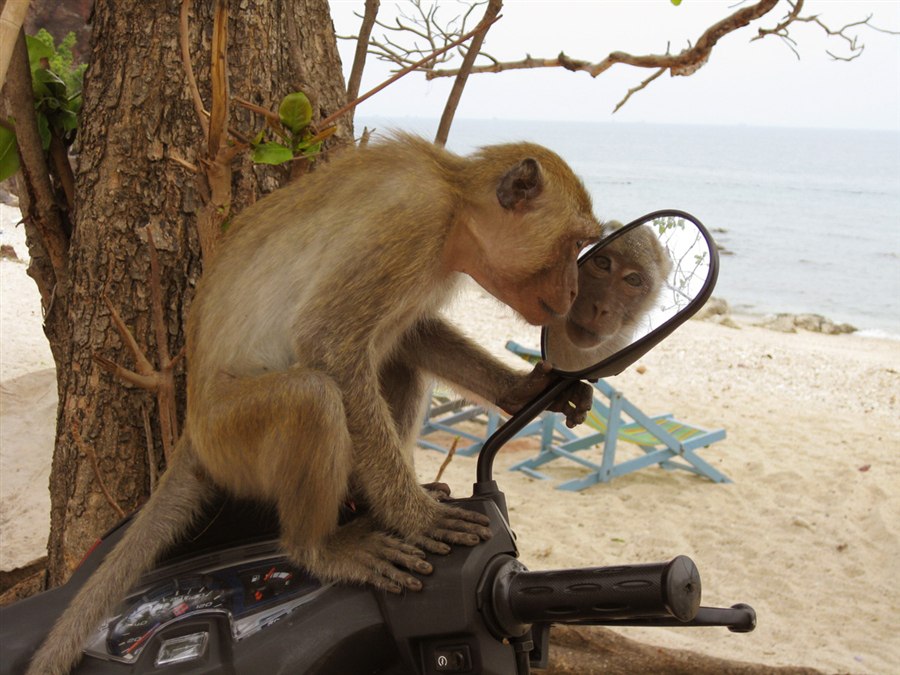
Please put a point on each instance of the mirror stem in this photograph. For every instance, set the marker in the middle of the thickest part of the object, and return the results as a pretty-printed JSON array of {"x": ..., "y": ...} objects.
[{"x": 515, "y": 424}]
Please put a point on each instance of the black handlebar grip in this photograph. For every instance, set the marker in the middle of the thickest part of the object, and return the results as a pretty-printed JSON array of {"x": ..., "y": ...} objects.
[{"x": 620, "y": 592}]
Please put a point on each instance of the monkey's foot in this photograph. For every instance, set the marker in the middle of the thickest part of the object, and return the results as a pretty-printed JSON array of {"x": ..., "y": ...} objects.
[
  {"x": 359, "y": 554},
  {"x": 453, "y": 525}
]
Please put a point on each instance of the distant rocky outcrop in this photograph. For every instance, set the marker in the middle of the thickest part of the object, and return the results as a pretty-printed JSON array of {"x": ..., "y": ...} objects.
[
  {"x": 716, "y": 310},
  {"x": 815, "y": 323}
]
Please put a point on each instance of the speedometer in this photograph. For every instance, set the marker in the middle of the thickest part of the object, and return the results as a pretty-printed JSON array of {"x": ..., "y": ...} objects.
[{"x": 160, "y": 605}]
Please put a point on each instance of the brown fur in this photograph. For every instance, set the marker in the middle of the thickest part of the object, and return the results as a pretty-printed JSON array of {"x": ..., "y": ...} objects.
[
  {"x": 616, "y": 288},
  {"x": 310, "y": 336}
]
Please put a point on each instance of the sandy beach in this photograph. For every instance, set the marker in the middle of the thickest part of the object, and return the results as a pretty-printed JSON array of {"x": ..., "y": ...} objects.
[{"x": 808, "y": 533}]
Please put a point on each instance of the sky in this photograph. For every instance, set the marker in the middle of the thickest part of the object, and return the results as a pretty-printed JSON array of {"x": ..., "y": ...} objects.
[{"x": 760, "y": 83}]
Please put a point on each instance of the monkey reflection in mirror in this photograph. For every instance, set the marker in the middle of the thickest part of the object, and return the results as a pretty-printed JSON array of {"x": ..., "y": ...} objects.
[
  {"x": 617, "y": 287},
  {"x": 310, "y": 340}
]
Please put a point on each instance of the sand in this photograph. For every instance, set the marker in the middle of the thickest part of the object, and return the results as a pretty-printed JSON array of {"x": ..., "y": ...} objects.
[{"x": 808, "y": 533}]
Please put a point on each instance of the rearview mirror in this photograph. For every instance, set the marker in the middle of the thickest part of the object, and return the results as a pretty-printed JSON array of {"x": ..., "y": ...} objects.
[{"x": 635, "y": 286}]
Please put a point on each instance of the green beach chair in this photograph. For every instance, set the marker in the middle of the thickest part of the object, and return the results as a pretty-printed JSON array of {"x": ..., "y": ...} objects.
[{"x": 664, "y": 441}]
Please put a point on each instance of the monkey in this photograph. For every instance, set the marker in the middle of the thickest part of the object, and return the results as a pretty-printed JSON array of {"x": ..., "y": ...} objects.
[
  {"x": 617, "y": 286},
  {"x": 310, "y": 336}
]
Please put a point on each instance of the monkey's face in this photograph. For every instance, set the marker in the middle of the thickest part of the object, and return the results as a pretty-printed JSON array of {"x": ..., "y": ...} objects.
[
  {"x": 612, "y": 290},
  {"x": 529, "y": 221}
]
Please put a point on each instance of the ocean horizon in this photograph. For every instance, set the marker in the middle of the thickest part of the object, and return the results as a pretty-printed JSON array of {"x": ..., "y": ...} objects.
[{"x": 807, "y": 220}]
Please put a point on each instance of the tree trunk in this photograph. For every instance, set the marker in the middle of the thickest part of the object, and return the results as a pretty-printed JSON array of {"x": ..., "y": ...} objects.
[{"x": 137, "y": 117}]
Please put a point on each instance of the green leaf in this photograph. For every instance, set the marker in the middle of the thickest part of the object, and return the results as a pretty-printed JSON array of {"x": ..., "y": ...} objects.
[
  {"x": 37, "y": 50},
  {"x": 9, "y": 157},
  {"x": 295, "y": 111},
  {"x": 66, "y": 120},
  {"x": 51, "y": 81},
  {"x": 271, "y": 153},
  {"x": 310, "y": 151},
  {"x": 44, "y": 130}
]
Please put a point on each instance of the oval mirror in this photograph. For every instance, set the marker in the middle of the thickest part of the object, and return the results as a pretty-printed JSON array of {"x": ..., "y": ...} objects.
[{"x": 635, "y": 286}]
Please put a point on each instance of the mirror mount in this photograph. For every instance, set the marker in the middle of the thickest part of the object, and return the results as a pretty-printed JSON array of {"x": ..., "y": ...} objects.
[{"x": 611, "y": 365}]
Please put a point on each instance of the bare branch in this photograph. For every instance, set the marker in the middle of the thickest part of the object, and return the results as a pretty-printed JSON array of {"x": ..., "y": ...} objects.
[
  {"x": 491, "y": 14},
  {"x": 426, "y": 26},
  {"x": 144, "y": 367},
  {"x": 12, "y": 16},
  {"x": 218, "y": 116},
  {"x": 161, "y": 381},
  {"x": 95, "y": 464},
  {"x": 636, "y": 89},
  {"x": 362, "y": 45},
  {"x": 184, "y": 38},
  {"x": 853, "y": 45},
  {"x": 685, "y": 63},
  {"x": 406, "y": 71},
  {"x": 447, "y": 460},
  {"x": 43, "y": 211},
  {"x": 151, "y": 455}
]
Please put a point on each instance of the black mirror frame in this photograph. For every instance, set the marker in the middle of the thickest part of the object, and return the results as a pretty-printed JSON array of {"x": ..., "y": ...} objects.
[{"x": 620, "y": 360}]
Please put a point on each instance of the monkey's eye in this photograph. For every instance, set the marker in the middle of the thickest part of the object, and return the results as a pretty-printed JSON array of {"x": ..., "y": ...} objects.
[
  {"x": 601, "y": 262},
  {"x": 634, "y": 279}
]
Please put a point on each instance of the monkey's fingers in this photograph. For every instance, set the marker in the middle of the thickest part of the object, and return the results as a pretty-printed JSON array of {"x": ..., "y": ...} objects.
[
  {"x": 461, "y": 526},
  {"x": 438, "y": 491},
  {"x": 408, "y": 557},
  {"x": 385, "y": 559},
  {"x": 575, "y": 403},
  {"x": 431, "y": 545}
]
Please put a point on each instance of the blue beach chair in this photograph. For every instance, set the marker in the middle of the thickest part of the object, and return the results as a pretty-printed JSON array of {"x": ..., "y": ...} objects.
[
  {"x": 445, "y": 413},
  {"x": 664, "y": 441}
]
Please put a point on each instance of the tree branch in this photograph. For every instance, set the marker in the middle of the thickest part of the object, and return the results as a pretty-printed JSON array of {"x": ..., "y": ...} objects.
[
  {"x": 491, "y": 14},
  {"x": 218, "y": 115},
  {"x": 406, "y": 71},
  {"x": 88, "y": 450},
  {"x": 781, "y": 30},
  {"x": 362, "y": 46},
  {"x": 685, "y": 63},
  {"x": 636, "y": 89},
  {"x": 193, "y": 90},
  {"x": 159, "y": 381},
  {"x": 44, "y": 212},
  {"x": 422, "y": 24},
  {"x": 12, "y": 16}
]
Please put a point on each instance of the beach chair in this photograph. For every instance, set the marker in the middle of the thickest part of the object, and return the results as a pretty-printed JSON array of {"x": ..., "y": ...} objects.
[
  {"x": 664, "y": 441},
  {"x": 449, "y": 414},
  {"x": 446, "y": 413}
]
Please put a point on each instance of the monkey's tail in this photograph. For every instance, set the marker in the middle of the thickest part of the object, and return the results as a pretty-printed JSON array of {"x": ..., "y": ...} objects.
[{"x": 171, "y": 509}]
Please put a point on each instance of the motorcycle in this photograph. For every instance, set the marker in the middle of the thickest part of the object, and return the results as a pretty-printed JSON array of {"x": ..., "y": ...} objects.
[{"x": 226, "y": 600}]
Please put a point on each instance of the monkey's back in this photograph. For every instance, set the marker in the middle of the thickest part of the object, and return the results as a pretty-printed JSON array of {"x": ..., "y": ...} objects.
[{"x": 298, "y": 264}]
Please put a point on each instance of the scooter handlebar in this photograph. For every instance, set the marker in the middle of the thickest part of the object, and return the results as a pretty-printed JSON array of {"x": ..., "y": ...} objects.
[{"x": 596, "y": 593}]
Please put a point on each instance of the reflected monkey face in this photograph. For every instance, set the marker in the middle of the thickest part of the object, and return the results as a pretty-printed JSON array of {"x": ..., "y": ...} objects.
[{"x": 612, "y": 291}]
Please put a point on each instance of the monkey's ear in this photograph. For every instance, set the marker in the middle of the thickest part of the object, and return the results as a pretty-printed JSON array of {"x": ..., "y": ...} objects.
[{"x": 523, "y": 182}]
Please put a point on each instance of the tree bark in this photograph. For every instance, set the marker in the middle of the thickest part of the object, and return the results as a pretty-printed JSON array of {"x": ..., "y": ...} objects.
[{"x": 137, "y": 116}]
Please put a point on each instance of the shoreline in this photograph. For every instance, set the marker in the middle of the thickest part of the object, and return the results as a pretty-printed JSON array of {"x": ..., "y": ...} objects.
[{"x": 808, "y": 533}]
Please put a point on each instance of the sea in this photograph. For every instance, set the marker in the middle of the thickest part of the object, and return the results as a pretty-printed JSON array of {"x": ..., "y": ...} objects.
[{"x": 807, "y": 220}]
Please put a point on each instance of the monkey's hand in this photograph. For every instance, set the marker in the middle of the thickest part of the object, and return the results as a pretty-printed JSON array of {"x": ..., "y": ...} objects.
[{"x": 574, "y": 402}]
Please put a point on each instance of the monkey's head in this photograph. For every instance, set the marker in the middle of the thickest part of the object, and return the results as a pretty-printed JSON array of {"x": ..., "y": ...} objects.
[
  {"x": 526, "y": 218},
  {"x": 617, "y": 286}
]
